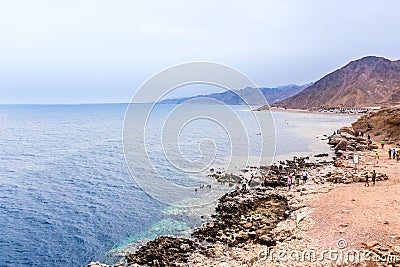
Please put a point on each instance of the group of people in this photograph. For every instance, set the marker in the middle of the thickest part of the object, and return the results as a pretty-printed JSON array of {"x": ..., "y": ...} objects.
[
  {"x": 245, "y": 182},
  {"x": 394, "y": 154},
  {"x": 373, "y": 178},
  {"x": 368, "y": 137},
  {"x": 360, "y": 134},
  {"x": 295, "y": 177},
  {"x": 202, "y": 186}
]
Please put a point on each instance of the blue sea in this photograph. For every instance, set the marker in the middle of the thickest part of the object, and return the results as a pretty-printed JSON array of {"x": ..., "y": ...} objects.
[{"x": 67, "y": 196}]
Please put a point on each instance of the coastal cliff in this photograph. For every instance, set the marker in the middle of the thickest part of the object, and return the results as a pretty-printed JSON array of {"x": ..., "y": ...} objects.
[{"x": 383, "y": 125}]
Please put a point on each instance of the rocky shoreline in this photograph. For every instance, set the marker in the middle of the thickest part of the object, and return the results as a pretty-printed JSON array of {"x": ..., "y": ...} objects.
[
  {"x": 245, "y": 216},
  {"x": 247, "y": 222}
]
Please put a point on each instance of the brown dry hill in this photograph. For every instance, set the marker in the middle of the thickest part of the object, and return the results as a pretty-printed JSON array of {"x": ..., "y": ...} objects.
[
  {"x": 367, "y": 82},
  {"x": 381, "y": 125}
]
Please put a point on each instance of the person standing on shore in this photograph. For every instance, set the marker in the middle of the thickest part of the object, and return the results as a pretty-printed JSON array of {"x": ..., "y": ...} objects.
[
  {"x": 383, "y": 144},
  {"x": 289, "y": 182},
  {"x": 398, "y": 155},
  {"x": 394, "y": 153},
  {"x": 304, "y": 174},
  {"x": 390, "y": 153},
  {"x": 298, "y": 176},
  {"x": 244, "y": 184},
  {"x": 373, "y": 177},
  {"x": 366, "y": 179}
]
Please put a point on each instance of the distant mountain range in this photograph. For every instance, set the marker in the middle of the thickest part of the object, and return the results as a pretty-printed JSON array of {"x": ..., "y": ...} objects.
[
  {"x": 251, "y": 95},
  {"x": 368, "y": 82},
  {"x": 364, "y": 83}
]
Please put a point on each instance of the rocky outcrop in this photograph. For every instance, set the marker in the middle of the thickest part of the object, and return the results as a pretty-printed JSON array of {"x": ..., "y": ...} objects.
[
  {"x": 243, "y": 217},
  {"x": 274, "y": 175},
  {"x": 345, "y": 140},
  {"x": 383, "y": 125},
  {"x": 342, "y": 175}
]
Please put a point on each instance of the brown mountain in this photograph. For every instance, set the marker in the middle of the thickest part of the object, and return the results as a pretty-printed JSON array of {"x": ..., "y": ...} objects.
[{"x": 367, "y": 82}]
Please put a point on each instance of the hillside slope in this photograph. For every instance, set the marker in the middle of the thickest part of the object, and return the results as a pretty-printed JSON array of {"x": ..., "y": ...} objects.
[{"x": 381, "y": 125}]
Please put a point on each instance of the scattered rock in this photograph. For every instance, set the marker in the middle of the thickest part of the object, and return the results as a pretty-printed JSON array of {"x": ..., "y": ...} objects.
[
  {"x": 165, "y": 251},
  {"x": 369, "y": 245}
]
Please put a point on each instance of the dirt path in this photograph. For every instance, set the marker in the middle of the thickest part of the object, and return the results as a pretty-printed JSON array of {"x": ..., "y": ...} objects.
[{"x": 358, "y": 213}]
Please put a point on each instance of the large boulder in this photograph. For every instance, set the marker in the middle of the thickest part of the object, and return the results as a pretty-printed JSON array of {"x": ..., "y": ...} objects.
[
  {"x": 342, "y": 145},
  {"x": 361, "y": 140},
  {"x": 348, "y": 136},
  {"x": 348, "y": 130},
  {"x": 334, "y": 139},
  {"x": 372, "y": 146}
]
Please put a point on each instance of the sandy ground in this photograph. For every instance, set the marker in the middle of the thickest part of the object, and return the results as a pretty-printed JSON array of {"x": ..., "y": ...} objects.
[{"x": 358, "y": 213}]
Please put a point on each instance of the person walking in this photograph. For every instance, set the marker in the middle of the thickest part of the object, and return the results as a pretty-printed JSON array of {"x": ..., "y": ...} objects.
[
  {"x": 390, "y": 153},
  {"x": 394, "y": 153},
  {"x": 377, "y": 158}
]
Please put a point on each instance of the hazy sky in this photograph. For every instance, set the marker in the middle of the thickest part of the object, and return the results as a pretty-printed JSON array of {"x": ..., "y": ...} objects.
[{"x": 101, "y": 51}]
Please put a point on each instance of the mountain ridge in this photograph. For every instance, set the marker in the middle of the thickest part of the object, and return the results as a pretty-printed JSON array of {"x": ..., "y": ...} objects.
[
  {"x": 250, "y": 94},
  {"x": 367, "y": 82}
]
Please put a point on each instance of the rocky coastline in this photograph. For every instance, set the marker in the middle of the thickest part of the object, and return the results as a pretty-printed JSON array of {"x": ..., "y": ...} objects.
[{"x": 268, "y": 215}]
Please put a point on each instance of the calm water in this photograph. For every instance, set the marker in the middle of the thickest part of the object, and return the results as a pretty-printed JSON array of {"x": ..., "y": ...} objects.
[{"x": 66, "y": 195}]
